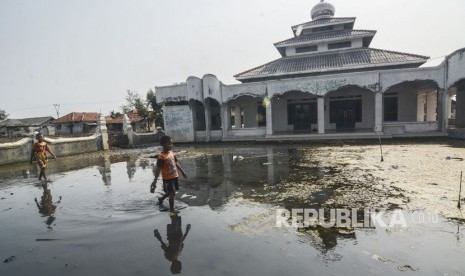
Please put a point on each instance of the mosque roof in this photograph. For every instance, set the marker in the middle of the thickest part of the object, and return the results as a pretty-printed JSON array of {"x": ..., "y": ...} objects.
[{"x": 358, "y": 59}]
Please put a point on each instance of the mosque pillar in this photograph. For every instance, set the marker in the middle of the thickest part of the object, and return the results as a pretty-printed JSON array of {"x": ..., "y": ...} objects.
[
  {"x": 226, "y": 119},
  {"x": 321, "y": 115},
  {"x": 269, "y": 118},
  {"x": 208, "y": 120},
  {"x": 460, "y": 108},
  {"x": 420, "y": 107},
  {"x": 237, "y": 117},
  {"x": 431, "y": 106},
  {"x": 378, "y": 112},
  {"x": 442, "y": 114}
]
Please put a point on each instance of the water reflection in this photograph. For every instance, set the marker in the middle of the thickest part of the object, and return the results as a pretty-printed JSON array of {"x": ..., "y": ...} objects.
[
  {"x": 105, "y": 169},
  {"x": 289, "y": 177},
  {"x": 131, "y": 166},
  {"x": 175, "y": 240},
  {"x": 46, "y": 206}
]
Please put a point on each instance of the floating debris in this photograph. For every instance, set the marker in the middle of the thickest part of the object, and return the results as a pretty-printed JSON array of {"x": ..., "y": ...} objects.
[
  {"x": 10, "y": 259},
  {"x": 405, "y": 267}
]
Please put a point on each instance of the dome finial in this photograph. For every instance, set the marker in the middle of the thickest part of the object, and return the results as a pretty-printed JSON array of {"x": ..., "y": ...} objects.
[{"x": 322, "y": 10}]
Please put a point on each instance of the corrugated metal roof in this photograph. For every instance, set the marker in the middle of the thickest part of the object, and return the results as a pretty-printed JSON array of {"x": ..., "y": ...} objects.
[
  {"x": 333, "y": 20},
  {"x": 332, "y": 61},
  {"x": 327, "y": 35},
  {"x": 38, "y": 121}
]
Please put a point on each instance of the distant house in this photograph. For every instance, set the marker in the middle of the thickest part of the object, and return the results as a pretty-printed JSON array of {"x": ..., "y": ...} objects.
[
  {"x": 138, "y": 123},
  {"x": 26, "y": 126},
  {"x": 77, "y": 123}
]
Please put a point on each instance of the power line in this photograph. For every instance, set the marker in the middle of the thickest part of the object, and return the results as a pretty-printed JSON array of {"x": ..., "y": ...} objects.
[{"x": 57, "y": 109}]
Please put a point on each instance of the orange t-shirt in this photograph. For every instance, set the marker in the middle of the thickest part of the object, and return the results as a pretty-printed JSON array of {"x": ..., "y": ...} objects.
[{"x": 167, "y": 164}]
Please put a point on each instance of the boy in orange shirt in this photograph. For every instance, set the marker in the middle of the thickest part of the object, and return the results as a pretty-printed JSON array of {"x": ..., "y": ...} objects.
[{"x": 167, "y": 164}]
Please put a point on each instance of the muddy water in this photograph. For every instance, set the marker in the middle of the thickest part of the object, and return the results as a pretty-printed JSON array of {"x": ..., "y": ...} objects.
[{"x": 98, "y": 218}]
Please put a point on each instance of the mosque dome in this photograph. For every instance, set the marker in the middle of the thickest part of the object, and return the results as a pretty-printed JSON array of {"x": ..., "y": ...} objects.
[{"x": 322, "y": 10}]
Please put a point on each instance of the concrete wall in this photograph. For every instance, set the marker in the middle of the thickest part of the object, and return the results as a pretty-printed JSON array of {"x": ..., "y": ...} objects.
[
  {"x": 20, "y": 151},
  {"x": 211, "y": 87},
  {"x": 456, "y": 67},
  {"x": 393, "y": 77},
  {"x": 407, "y": 106},
  {"x": 248, "y": 132},
  {"x": 323, "y": 47},
  {"x": 146, "y": 138},
  {"x": 16, "y": 152},
  {"x": 194, "y": 88},
  {"x": 179, "y": 123},
  {"x": 71, "y": 146},
  {"x": 322, "y": 85},
  {"x": 173, "y": 93},
  {"x": 231, "y": 92}
]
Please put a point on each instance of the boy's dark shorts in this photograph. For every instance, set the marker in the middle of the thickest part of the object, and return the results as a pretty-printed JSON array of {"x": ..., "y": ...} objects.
[{"x": 169, "y": 186}]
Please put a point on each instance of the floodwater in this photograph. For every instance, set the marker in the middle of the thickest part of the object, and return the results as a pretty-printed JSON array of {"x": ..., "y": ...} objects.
[{"x": 97, "y": 217}]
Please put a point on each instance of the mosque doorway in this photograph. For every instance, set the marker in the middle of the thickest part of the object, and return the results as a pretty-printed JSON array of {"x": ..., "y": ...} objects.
[
  {"x": 302, "y": 115},
  {"x": 344, "y": 113}
]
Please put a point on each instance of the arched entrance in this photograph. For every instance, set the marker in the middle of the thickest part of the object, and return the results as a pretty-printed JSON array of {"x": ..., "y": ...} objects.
[
  {"x": 456, "y": 106},
  {"x": 198, "y": 115},
  {"x": 247, "y": 116},
  {"x": 247, "y": 112},
  {"x": 295, "y": 111},
  {"x": 213, "y": 123},
  {"x": 349, "y": 108},
  {"x": 411, "y": 107},
  {"x": 213, "y": 113}
]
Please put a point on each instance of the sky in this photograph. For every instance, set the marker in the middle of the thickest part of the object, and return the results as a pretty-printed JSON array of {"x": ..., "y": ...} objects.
[{"x": 86, "y": 54}]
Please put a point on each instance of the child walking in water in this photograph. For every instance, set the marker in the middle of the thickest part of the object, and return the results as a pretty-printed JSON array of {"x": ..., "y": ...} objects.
[
  {"x": 167, "y": 164},
  {"x": 39, "y": 151}
]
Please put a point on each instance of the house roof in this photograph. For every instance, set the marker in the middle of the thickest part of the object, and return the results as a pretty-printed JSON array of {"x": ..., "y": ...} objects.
[
  {"x": 38, "y": 121},
  {"x": 326, "y": 36},
  {"x": 134, "y": 117},
  {"x": 324, "y": 21},
  {"x": 334, "y": 61},
  {"x": 77, "y": 117}
]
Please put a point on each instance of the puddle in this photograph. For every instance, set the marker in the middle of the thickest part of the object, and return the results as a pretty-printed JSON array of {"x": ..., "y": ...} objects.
[{"x": 98, "y": 217}]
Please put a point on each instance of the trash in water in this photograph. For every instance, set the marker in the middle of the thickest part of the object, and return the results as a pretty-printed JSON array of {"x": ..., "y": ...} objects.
[
  {"x": 405, "y": 267},
  {"x": 10, "y": 259},
  {"x": 238, "y": 158}
]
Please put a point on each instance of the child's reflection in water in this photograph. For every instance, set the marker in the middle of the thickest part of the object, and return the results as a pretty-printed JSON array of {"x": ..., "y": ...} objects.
[
  {"x": 175, "y": 242},
  {"x": 46, "y": 206}
]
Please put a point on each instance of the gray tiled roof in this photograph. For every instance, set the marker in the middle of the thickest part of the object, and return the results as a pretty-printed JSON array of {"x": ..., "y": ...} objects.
[
  {"x": 360, "y": 58},
  {"x": 334, "y": 20},
  {"x": 327, "y": 35}
]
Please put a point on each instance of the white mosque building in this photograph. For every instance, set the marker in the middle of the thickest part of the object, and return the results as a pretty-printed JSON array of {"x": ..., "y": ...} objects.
[{"x": 328, "y": 83}]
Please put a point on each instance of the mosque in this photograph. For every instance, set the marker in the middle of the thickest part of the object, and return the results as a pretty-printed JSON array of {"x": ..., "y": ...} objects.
[{"x": 327, "y": 84}]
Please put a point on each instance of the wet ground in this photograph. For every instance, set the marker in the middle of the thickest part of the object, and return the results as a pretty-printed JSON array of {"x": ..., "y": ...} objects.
[{"x": 97, "y": 217}]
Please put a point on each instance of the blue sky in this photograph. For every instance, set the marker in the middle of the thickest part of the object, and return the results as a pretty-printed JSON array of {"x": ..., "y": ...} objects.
[{"x": 85, "y": 55}]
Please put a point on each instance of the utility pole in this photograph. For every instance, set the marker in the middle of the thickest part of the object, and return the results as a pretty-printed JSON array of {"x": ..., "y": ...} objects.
[{"x": 57, "y": 109}]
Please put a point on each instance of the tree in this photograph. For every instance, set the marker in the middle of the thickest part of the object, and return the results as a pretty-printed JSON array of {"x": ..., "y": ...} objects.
[
  {"x": 156, "y": 107},
  {"x": 134, "y": 102},
  {"x": 115, "y": 114},
  {"x": 3, "y": 115}
]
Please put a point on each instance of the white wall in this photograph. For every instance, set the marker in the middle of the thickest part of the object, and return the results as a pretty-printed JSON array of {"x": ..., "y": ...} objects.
[
  {"x": 456, "y": 69},
  {"x": 179, "y": 123},
  {"x": 173, "y": 93}
]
